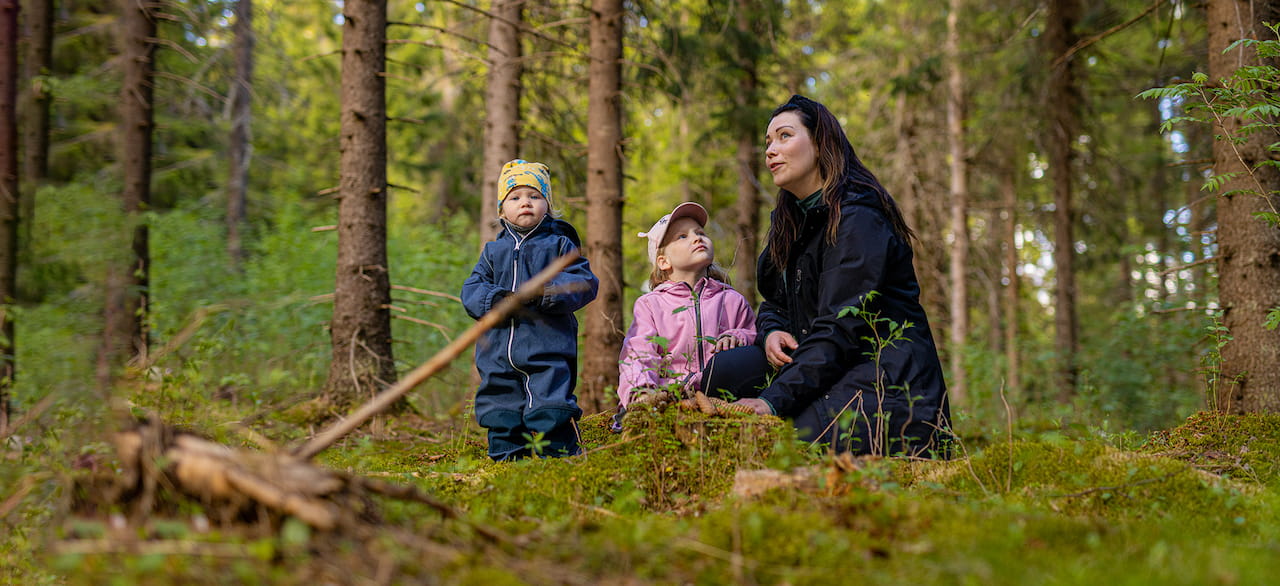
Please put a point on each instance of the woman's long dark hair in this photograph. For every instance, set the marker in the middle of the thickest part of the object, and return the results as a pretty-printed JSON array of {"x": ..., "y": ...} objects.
[{"x": 839, "y": 169}]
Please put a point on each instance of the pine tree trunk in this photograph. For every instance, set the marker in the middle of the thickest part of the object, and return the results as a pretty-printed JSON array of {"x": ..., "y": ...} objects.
[
  {"x": 1248, "y": 249},
  {"x": 748, "y": 163},
  {"x": 958, "y": 385},
  {"x": 124, "y": 330},
  {"x": 604, "y": 203},
  {"x": 361, "y": 328},
  {"x": 1064, "y": 118},
  {"x": 34, "y": 108},
  {"x": 9, "y": 196},
  {"x": 502, "y": 106},
  {"x": 1010, "y": 311},
  {"x": 241, "y": 147}
]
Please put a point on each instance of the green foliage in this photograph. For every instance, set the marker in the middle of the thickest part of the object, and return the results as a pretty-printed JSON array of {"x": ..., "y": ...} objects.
[{"x": 1251, "y": 95}]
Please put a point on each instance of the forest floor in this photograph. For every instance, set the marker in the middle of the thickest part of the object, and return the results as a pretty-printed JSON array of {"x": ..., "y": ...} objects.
[{"x": 679, "y": 498}]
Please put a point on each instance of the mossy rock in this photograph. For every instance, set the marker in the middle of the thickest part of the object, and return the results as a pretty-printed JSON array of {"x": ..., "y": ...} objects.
[
  {"x": 1243, "y": 447},
  {"x": 1085, "y": 478}
]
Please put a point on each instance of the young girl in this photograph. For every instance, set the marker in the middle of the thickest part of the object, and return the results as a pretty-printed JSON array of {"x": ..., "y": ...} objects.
[
  {"x": 528, "y": 368},
  {"x": 689, "y": 314}
]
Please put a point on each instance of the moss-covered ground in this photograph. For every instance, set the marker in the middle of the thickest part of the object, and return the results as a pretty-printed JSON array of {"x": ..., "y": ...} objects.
[{"x": 1196, "y": 504}]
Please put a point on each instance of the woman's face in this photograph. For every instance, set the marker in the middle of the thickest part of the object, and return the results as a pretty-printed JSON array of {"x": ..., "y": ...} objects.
[{"x": 791, "y": 156}]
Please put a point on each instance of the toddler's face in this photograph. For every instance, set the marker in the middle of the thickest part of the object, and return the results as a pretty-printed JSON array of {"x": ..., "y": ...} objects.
[
  {"x": 687, "y": 247},
  {"x": 524, "y": 207}
]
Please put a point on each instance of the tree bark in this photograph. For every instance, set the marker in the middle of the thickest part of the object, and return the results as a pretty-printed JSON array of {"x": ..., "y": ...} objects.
[
  {"x": 1063, "y": 101},
  {"x": 9, "y": 196},
  {"x": 959, "y": 332},
  {"x": 1010, "y": 311},
  {"x": 241, "y": 146},
  {"x": 1248, "y": 249},
  {"x": 604, "y": 203},
  {"x": 361, "y": 328},
  {"x": 502, "y": 106},
  {"x": 124, "y": 330},
  {"x": 34, "y": 108},
  {"x": 748, "y": 204}
]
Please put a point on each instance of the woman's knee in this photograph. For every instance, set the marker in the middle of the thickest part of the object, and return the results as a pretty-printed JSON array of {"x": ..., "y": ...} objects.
[{"x": 740, "y": 372}]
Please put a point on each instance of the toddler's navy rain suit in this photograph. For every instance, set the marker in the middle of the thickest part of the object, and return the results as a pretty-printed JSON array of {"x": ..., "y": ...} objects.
[{"x": 528, "y": 365}]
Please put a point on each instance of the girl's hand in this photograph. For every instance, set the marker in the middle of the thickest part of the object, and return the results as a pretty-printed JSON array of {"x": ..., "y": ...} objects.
[
  {"x": 726, "y": 342},
  {"x": 776, "y": 347},
  {"x": 760, "y": 406}
]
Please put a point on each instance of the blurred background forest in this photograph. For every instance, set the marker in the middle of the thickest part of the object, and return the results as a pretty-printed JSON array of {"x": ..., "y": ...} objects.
[{"x": 245, "y": 319}]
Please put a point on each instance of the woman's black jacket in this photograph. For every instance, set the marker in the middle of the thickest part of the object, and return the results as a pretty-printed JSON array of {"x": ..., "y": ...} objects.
[{"x": 850, "y": 383}]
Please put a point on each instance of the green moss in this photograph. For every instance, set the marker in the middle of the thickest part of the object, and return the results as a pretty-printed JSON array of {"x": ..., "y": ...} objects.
[
  {"x": 1244, "y": 447},
  {"x": 1086, "y": 478}
]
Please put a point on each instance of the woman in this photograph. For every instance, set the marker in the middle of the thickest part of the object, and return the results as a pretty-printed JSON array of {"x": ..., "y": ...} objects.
[{"x": 847, "y": 353}]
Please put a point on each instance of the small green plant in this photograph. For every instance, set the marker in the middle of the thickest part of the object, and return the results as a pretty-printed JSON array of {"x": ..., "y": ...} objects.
[
  {"x": 536, "y": 442},
  {"x": 1211, "y": 363},
  {"x": 885, "y": 333}
]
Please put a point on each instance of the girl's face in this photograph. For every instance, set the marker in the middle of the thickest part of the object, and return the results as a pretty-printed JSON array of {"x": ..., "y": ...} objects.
[
  {"x": 687, "y": 248},
  {"x": 790, "y": 154},
  {"x": 524, "y": 207}
]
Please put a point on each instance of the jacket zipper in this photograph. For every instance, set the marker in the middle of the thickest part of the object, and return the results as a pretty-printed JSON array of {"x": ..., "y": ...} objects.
[
  {"x": 511, "y": 331},
  {"x": 697, "y": 325}
]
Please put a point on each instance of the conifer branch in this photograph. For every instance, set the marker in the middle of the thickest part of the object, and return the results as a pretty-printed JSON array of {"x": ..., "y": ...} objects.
[{"x": 1083, "y": 43}]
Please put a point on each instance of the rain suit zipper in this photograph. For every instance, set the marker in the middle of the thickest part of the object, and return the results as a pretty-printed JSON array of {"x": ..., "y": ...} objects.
[{"x": 515, "y": 283}]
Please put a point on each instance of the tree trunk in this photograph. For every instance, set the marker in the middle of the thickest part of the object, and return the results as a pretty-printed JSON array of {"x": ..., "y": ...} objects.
[
  {"x": 124, "y": 330},
  {"x": 35, "y": 105},
  {"x": 8, "y": 196},
  {"x": 361, "y": 328},
  {"x": 604, "y": 203},
  {"x": 502, "y": 106},
  {"x": 748, "y": 204},
  {"x": 957, "y": 386},
  {"x": 241, "y": 147},
  {"x": 1248, "y": 249},
  {"x": 1063, "y": 101},
  {"x": 1009, "y": 191}
]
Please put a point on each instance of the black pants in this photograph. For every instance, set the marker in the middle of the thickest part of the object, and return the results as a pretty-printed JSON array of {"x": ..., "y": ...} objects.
[{"x": 738, "y": 373}]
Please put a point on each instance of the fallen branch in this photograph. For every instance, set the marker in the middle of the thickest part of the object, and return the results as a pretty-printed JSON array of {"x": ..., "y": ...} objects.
[
  {"x": 31, "y": 413},
  {"x": 530, "y": 290},
  {"x": 427, "y": 292},
  {"x": 159, "y": 548}
]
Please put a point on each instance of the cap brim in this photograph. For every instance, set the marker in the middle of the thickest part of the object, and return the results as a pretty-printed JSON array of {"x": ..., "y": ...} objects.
[{"x": 689, "y": 209}]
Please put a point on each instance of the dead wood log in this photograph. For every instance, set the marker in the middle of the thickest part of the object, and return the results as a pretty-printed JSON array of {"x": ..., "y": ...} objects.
[{"x": 531, "y": 289}]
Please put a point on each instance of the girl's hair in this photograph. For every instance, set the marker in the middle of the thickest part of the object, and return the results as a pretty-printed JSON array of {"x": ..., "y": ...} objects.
[
  {"x": 658, "y": 276},
  {"x": 839, "y": 168}
]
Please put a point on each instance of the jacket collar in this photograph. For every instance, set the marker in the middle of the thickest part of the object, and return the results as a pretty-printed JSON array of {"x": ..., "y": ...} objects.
[{"x": 702, "y": 286}]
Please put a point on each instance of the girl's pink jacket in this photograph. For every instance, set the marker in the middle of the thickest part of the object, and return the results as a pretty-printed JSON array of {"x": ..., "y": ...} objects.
[{"x": 689, "y": 323}]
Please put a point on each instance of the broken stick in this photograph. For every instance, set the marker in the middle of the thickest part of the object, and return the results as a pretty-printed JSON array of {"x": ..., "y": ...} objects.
[{"x": 531, "y": 288}]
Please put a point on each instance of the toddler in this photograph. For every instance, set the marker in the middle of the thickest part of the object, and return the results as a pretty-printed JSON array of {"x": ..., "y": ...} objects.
[{"x": 528, "y": 366}]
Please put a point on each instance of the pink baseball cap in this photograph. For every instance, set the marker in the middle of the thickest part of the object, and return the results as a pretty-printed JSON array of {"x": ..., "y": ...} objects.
[{"x": 655, "y": 234}]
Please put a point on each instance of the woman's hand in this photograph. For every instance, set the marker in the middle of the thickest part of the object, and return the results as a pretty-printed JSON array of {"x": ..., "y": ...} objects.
[
  {"x": 726, "y": 342},
  {"x": 776, "y": 347},
  {"x": 760, "y": 406}
]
